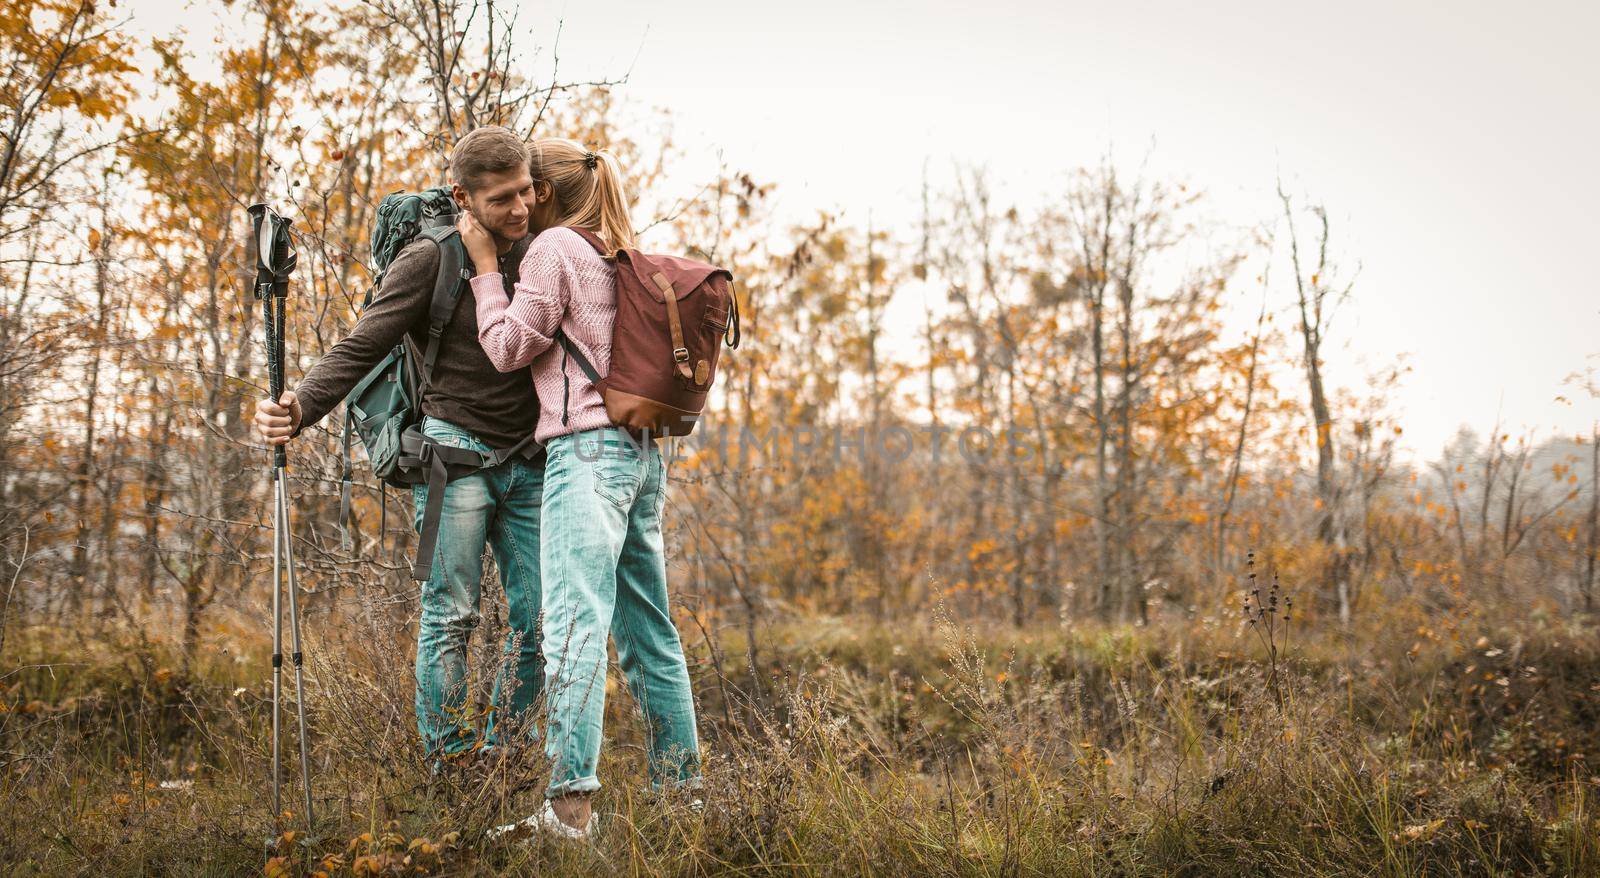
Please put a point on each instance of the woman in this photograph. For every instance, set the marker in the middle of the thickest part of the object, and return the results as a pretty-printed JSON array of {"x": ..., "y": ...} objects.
[{"x": 601, "y": 548}]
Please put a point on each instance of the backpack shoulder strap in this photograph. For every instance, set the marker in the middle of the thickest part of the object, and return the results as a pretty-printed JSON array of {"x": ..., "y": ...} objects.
[
  {"x": 446, "y": 291},
  {"x": 561, "y": 337},
  {"x": 593, "y": 239},
  {"x": 571, "y": 350}
]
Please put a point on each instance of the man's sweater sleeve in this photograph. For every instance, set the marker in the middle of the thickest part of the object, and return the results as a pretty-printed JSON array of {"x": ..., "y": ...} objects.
[{"x": 401, "y": 302}]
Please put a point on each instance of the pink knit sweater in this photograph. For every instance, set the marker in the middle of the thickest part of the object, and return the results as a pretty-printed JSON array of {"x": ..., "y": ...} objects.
[{"x": 564, "y": 283}]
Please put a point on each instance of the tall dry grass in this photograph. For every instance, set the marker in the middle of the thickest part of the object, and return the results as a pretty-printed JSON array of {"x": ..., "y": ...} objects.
[{"x": 919, "y": 749}]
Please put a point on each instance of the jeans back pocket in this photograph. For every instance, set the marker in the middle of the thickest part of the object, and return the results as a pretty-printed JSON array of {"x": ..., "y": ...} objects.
[{"x": 617, "y": 483}]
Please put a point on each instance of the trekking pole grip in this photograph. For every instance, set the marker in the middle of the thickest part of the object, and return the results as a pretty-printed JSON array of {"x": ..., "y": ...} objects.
[
  {"x": 272, "y": 320},
  {"x": 275, "y": 261}
]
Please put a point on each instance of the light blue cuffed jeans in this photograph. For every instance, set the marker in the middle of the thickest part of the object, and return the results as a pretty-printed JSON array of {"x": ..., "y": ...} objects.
[
  {"x": 498, "y": 507},
  {"x": 605, "y": 571}
]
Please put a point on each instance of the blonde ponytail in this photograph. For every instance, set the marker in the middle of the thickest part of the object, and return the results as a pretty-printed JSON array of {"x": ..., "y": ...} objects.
[{"x": 590, "y": 188}]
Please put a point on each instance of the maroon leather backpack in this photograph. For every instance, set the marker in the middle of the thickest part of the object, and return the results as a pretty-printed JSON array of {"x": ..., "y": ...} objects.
[{"x": 672, "y": 315}]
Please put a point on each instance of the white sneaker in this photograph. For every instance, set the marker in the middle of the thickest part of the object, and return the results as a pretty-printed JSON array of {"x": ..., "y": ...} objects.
[{"x": 544, "y": 820}]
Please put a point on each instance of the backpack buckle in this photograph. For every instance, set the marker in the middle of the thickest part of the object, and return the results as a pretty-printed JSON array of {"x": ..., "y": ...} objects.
[{"x": 680, "y": 355}]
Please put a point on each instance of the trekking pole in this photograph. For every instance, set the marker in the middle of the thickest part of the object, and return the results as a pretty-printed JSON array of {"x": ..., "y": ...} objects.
[{"x": 275, "y": 261}]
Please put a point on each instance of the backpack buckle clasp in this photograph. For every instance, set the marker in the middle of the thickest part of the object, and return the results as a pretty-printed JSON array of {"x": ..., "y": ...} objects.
[{"x": 680, "y": 355}]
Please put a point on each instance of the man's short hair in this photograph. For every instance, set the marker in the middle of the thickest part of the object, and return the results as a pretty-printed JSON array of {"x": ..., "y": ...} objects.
[{"x": 484, "y": 151}]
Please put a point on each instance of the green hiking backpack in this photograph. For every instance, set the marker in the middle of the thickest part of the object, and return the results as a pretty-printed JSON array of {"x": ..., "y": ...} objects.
[
  {"x": 385, "y": 407},
  {"x": 388, "y": 400}
]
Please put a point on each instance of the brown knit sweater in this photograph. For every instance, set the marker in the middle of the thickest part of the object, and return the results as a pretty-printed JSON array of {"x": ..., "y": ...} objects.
[{"x": 467, "y": 390}]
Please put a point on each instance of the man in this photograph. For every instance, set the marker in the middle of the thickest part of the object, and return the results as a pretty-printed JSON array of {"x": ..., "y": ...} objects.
[{"x": 467, "y": 404}]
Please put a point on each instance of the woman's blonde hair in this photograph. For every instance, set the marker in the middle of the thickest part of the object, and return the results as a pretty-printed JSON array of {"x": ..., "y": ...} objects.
[{"x": 589, "y": 185}]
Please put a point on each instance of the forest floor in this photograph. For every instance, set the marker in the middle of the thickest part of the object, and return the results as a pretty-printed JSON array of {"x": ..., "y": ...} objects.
[{"x": 920, "y": 748}]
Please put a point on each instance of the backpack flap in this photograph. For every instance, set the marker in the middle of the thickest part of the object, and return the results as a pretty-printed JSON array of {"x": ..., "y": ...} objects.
[
  {"x": 685, "y": 275},
  {"x": 695, "y": 297}
]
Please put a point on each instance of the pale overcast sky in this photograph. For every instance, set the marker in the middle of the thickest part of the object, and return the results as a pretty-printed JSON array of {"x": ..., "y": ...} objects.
[{"x": 1454, "y": 144}]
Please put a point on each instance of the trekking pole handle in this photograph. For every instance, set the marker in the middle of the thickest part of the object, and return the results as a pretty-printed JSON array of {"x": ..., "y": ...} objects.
[
  {"x": 272, "y": 319},
  {"x": 275, "y": 261}
]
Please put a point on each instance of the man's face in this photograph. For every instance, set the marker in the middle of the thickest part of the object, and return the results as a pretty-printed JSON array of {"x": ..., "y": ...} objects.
[{"x": 501, "y": 203}]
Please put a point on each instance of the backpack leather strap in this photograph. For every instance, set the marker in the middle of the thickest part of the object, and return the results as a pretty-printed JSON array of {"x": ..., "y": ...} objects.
[{"x": 680, "y": 353}]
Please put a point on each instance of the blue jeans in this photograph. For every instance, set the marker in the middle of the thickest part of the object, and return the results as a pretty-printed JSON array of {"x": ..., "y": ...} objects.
[
  {"x": 605, "y": 571},
  {"x": 500, "y": 507}
]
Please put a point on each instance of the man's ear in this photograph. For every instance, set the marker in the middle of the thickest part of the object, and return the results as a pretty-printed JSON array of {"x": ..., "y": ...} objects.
[{"x": 460, "y": 196}]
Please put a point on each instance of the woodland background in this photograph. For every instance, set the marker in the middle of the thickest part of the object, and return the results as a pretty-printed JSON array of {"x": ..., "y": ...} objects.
[{"x": 1109, "y": 553}]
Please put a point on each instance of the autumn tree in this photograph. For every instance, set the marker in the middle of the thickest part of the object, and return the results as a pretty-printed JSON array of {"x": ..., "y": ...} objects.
[
  {"x": 1152, "y": 409},
  {"x": 1317, "y": 294},
  {"x": 66, "y": 82}
]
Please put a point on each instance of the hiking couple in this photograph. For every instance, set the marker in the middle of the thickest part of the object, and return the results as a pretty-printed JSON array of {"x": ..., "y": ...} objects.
[{"x": 574, "y": 518}]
